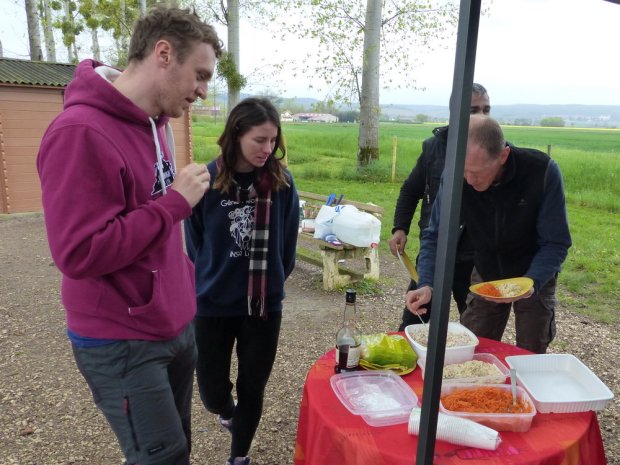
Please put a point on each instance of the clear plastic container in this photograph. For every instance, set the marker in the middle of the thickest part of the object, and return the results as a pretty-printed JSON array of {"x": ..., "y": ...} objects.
[
  {"x": 500, "y": 378},
  {"x": 516, "y": 422},
  {"x": 381, "y": 397},
  {"x": 455, "y": 354}
]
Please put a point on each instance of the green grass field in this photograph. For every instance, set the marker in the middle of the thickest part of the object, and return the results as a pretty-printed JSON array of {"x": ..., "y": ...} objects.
[{"x": 322, "y": 159}]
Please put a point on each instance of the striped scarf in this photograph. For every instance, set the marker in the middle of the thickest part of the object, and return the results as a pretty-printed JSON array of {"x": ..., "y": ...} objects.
[{"x": 259, "y": 246}]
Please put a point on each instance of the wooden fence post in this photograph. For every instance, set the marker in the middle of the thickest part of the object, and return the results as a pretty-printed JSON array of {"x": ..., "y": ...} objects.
[
  {"x": 549, "y": 149},
  {"x": 394, "y": 150}
]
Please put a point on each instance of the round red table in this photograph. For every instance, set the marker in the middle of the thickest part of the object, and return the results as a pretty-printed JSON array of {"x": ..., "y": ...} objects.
[{"x": 328, "y": 434}]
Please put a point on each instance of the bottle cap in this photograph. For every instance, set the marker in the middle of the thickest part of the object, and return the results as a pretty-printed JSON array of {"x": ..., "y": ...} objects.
[{"x": 350, "y": 296}]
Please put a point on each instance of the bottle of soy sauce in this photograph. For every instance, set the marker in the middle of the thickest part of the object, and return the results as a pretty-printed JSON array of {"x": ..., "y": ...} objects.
[{"x": 348, "y": 338}]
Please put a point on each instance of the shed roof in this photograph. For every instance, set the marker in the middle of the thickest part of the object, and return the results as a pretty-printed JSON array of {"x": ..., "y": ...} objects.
[{"x": 35, "y": 73}]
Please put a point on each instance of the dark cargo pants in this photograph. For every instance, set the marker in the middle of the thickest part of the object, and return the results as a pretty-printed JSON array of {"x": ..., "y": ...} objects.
[{"x": 144, "y": 389}]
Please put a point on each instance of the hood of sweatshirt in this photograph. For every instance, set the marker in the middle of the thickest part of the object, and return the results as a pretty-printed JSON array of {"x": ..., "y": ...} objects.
[
  {"x": 86, "y": 89},
  {"x": 92, "y": 86}
]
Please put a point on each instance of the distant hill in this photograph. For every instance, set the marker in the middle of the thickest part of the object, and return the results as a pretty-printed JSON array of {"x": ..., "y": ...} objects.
[{"x": 523, "y": 114}]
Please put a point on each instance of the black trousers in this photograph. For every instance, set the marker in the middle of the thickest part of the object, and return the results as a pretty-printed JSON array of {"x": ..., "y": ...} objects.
[
  {"x": 256, "y": 346},
  {"x": 460, "y": 288}
]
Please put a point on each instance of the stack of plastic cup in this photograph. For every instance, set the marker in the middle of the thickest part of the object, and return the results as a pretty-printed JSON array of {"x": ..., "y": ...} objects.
[{"x": 460, "y": 431}]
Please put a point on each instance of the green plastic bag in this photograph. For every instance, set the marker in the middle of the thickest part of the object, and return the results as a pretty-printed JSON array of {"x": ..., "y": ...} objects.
[{"x": 387, "y": 352}]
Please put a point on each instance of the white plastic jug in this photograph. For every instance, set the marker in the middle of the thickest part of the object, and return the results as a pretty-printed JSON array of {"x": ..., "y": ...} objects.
[{"x": 357, "y": 228}]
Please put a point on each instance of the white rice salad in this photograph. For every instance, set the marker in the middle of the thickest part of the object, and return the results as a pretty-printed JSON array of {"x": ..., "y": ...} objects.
[
  {"x": 453, "y": 339},
  {"x": 509, "y": 289},
  {"x": 472, "y": 369}
]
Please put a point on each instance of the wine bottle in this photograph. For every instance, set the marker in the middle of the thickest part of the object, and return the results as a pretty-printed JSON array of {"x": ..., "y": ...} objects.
[{"x": 348, "y": 338}]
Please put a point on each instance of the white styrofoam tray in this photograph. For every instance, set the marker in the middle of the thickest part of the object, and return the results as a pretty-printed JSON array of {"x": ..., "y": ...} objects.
[{"x": 560, "y": 383}]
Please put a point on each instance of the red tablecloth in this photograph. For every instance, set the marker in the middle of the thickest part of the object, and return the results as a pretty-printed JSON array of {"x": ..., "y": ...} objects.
[{"x": 328, "y": 434}]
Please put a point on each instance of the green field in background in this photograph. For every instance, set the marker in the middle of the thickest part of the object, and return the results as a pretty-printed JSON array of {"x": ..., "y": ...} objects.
[{"x": 322, "y": 158}]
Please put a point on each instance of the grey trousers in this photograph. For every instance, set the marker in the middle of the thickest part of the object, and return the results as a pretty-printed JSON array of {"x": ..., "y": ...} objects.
[
  {"x": 144, "y": 389},
  {"x": 534, "y": 317}
]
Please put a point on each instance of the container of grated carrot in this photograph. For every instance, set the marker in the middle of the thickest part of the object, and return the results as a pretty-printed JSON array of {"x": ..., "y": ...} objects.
[{"x": 489, "y": 404}]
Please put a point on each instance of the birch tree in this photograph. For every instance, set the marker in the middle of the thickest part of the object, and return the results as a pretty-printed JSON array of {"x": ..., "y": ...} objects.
[
  {"x": 338, "y": 61},
  {"x": 70, "y": 26},
  {"x": 89, "y": 10},
  {"x": 368, "y": 140},
  {"x": 45, "y": 13},
  {"x": 142, "y": 7},
  {"x": 34, "y": 36},
  {"x": 116, "y": 17},
  {"x": 232, "y": 18},
  {"x": 228, "y": 14}
]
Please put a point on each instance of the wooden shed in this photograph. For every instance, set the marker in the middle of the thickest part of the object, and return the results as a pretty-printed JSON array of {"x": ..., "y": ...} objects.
[{"x": 31, "y": 95}]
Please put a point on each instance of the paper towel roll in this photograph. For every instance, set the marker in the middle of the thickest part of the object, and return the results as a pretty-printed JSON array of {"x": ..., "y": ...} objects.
[{"x": 459, "y": 431}]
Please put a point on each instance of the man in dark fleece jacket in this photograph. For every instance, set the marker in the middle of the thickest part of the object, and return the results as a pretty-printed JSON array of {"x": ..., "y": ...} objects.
[
  {"x": 514, "y": 209},
  {"x": 422, "y": 186},
  {"x": 113, "y": 203}
]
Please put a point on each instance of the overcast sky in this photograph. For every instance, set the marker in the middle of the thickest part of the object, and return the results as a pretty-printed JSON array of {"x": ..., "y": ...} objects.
[{"x": 529, "y": 51}]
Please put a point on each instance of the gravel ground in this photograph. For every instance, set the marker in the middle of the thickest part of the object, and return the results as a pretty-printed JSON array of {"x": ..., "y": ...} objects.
[{"x": 47, "y": 416}]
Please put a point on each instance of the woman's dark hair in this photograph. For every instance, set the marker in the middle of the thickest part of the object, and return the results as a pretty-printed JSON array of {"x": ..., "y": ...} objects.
[{"x": 249, "y": 113}]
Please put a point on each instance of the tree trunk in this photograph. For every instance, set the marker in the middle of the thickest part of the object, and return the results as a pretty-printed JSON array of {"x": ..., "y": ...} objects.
[
  {"x": 69, "y": 33},
  {"x": 94, "y": 34},
  {"x": 233, "y": 48},
  {"x": 95, "y": 44},
  {"x": 142, "y": 5},
  {"x": 368, "y": 142},
  {"x": 48, "y": 31},
  {"x": 123, "y": 39},
  {"x": 34, "y": 37}
]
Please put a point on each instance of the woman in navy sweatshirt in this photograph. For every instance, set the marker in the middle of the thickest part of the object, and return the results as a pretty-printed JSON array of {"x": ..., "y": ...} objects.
[{"x": 242, "y": 237}]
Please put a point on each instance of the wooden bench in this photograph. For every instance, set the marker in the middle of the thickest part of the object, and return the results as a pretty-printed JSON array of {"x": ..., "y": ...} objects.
[{"x": 334, "y": 274}]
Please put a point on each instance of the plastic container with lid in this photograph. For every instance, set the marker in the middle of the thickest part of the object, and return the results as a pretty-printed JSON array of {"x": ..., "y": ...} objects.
[
  {"x": 502, "y": 371},
  {"x": 381, "y": 397},
  {"x": 516, "y": 422}
]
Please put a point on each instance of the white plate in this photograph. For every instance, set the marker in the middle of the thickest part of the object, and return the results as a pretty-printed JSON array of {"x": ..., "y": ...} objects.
[
  {"x": 405, "y": 261},
  {"x": 524, "y": 283},
  {"x": 560, "y": 383}
]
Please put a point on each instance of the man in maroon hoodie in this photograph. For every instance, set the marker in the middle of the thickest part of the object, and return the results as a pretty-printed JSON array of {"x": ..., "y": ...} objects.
[{"x": 113, "y": 204}]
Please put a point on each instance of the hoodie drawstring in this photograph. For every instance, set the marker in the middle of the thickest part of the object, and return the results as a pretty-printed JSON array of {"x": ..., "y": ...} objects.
[{"x": 160, "y": 163}]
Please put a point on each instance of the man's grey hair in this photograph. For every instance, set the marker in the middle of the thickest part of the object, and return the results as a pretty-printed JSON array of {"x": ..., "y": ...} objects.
[
  {"x": 478, "y": 89},
  {"x": 487, "y": 133}
]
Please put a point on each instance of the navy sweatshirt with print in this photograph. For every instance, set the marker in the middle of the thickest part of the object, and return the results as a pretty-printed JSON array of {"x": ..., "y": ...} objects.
[{"x": 218, "y": 239}]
